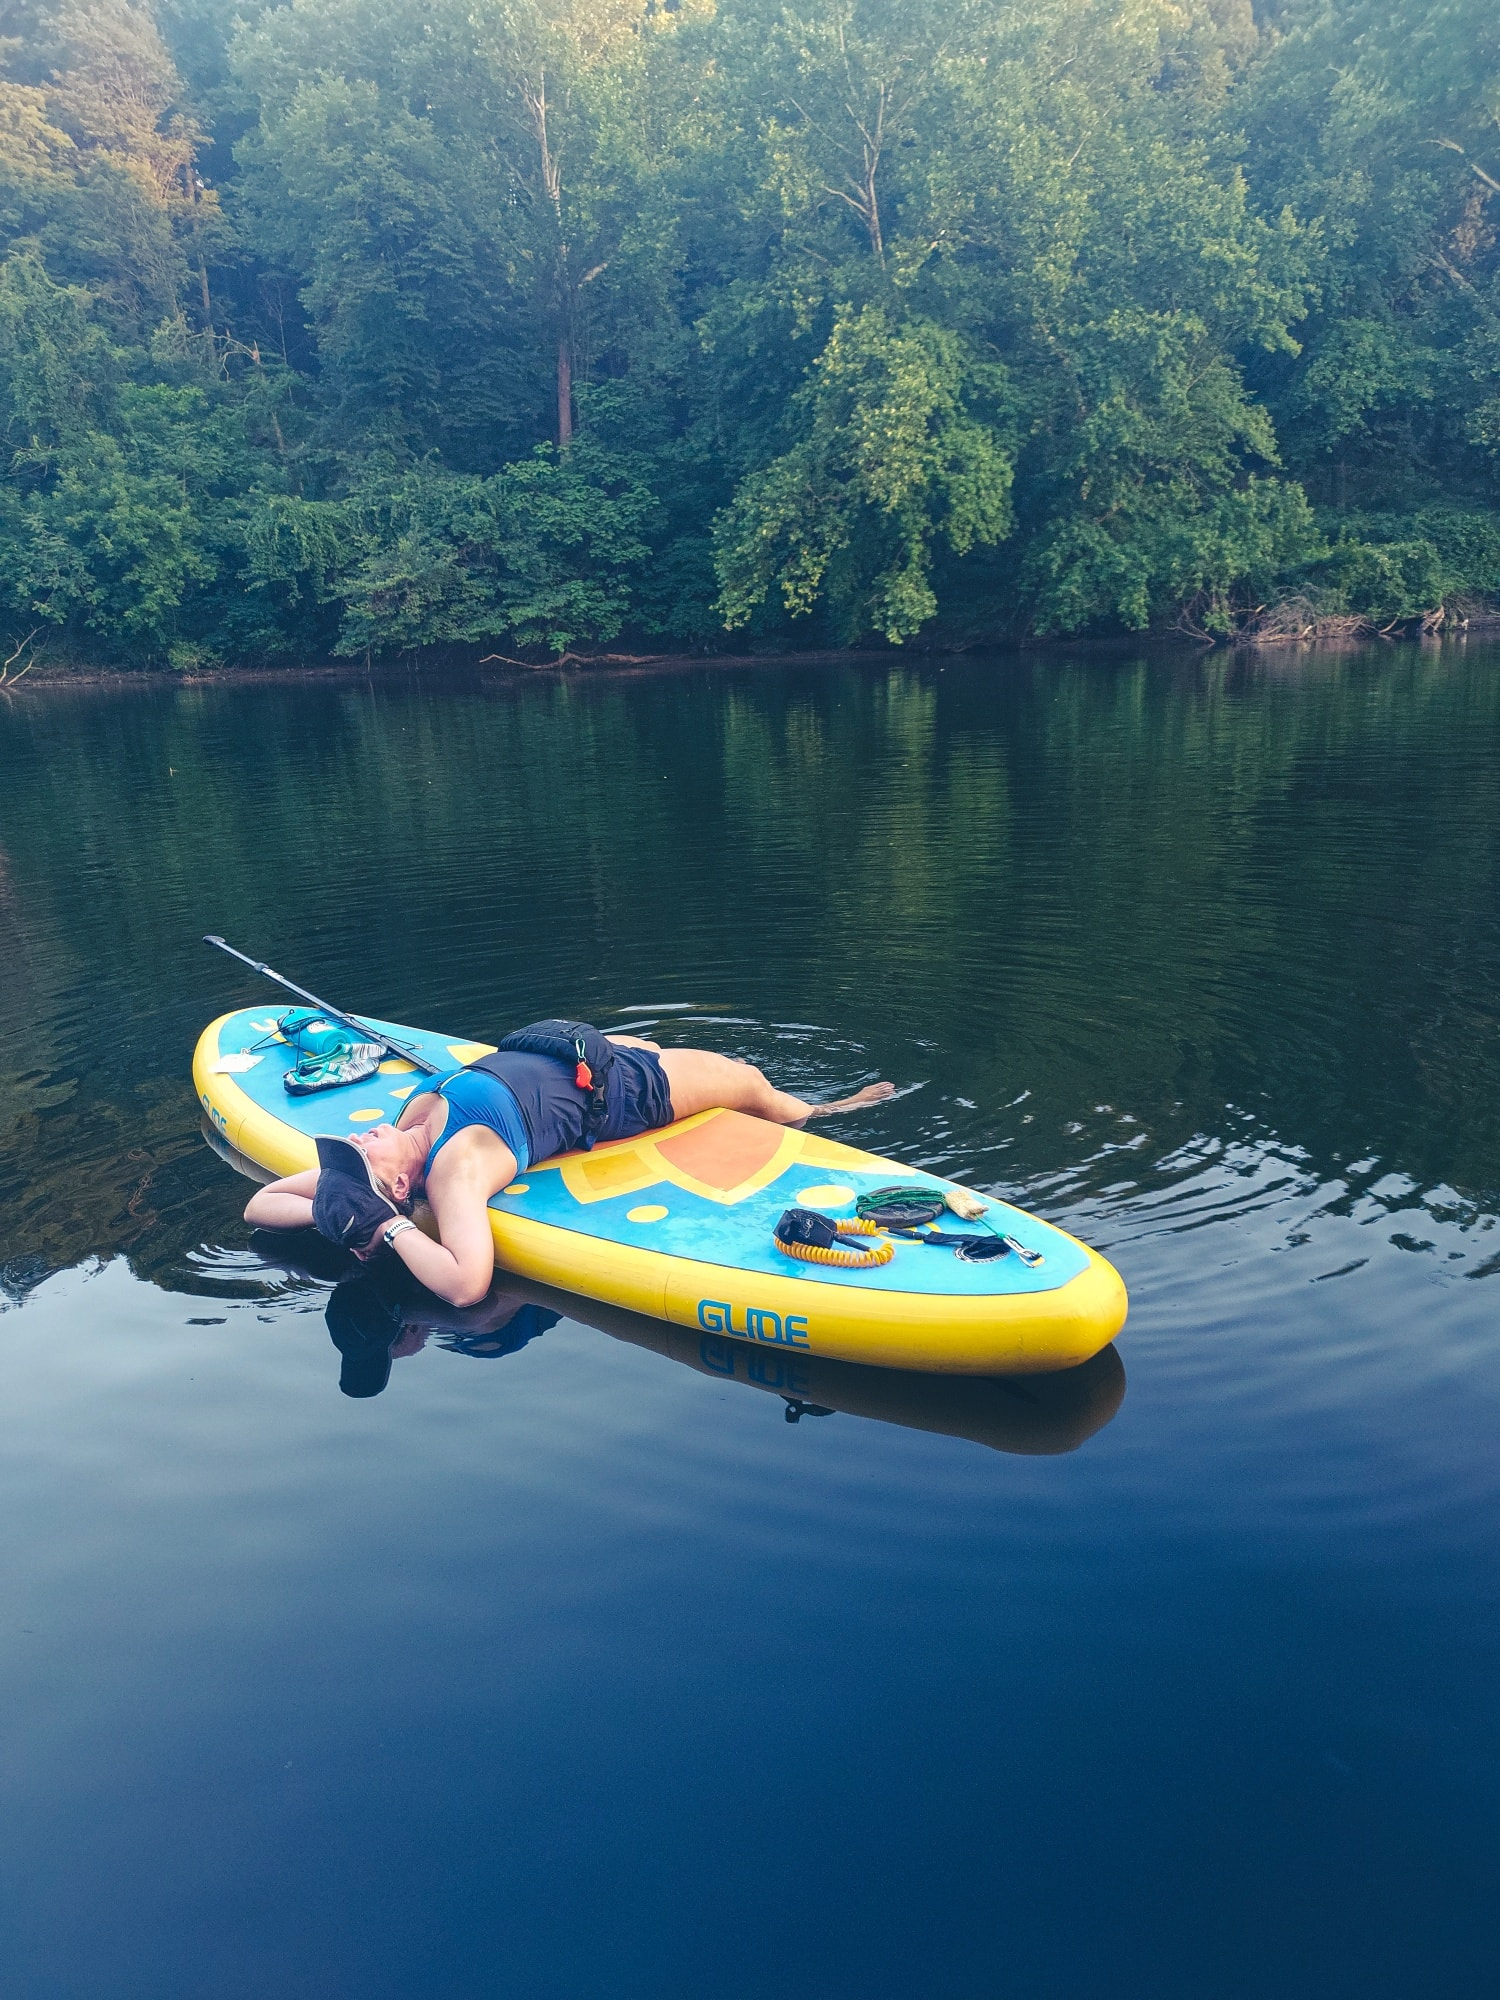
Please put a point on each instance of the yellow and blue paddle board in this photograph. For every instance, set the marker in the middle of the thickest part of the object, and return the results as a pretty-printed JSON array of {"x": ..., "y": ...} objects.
[{"x": 679, "y": 1223}]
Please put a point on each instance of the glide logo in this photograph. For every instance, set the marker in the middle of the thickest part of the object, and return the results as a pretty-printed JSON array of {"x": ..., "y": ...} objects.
[{"x": 717, "y": 1316}]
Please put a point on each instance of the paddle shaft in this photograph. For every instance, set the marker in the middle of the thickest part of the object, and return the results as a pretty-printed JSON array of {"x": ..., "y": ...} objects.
[{"x": 361, "y": 1028}]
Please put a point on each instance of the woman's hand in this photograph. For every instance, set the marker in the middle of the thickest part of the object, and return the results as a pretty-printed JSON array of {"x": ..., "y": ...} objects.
[{"x": 377, "y": 1242}]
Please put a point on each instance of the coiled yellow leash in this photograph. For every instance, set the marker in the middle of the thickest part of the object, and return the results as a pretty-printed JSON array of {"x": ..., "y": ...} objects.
[{"x": 880, "y": 1252}]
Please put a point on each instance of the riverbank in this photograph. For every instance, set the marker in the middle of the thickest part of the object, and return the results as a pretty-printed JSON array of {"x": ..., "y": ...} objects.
[
  {"x": 1292, "y": 629},
  {"x": 437, "y": 666}
]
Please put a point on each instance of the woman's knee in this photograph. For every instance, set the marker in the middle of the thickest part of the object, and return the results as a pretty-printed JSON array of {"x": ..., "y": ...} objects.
[
  {"x": 748, "y": 1085},
  {"x": 701, "y": 1080}
]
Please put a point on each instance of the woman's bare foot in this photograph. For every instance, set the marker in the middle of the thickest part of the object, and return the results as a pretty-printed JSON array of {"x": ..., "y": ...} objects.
[{"x": 873, "y": 1093}]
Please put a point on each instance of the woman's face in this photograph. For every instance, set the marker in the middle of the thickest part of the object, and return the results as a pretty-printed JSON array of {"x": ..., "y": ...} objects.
[{"x": 390, "y": 1153}]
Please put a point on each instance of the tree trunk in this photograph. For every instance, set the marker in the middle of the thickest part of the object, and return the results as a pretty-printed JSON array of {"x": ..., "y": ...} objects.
[{"x": 564, "y": 395}]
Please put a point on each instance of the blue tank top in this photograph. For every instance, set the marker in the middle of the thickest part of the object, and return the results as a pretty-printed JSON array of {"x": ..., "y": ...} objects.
[
  {"x": 473, "y": 1099},
  {"x": 531, "y": 1102}
]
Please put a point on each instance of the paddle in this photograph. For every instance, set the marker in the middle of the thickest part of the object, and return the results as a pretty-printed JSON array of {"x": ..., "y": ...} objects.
[{"x": 361, "y": 1028}]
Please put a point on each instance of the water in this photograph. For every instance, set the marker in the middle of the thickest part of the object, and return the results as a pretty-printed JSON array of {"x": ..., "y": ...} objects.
[{"x": 573, "y": 1671}]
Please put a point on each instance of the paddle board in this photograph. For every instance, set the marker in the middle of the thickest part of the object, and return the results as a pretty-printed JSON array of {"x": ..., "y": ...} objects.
[{"x": 678, "y": 1223}]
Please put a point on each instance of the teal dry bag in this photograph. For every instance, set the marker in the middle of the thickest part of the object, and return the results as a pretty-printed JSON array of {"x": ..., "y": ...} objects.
[{"x": 327, "y": 1055}]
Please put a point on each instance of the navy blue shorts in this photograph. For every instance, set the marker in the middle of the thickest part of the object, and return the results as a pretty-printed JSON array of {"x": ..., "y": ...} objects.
[{"x": 639, "y": 1098}]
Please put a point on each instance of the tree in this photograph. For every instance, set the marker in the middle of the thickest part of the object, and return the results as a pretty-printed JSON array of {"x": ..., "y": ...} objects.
[{"x": 890, "y": 458}]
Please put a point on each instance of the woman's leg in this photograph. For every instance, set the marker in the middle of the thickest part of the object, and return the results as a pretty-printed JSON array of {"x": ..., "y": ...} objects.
[{"x": 699, "y": 1080}]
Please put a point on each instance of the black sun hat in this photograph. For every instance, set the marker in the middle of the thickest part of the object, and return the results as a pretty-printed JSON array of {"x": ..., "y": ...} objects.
[{"x": 349, "y": 1205}]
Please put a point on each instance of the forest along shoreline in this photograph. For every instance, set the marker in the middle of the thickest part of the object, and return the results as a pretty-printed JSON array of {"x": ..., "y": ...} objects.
[{"x": 500, "y": 328}]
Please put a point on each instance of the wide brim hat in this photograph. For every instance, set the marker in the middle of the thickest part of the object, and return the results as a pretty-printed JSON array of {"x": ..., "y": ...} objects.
[{"x": 349, "y": 1204}]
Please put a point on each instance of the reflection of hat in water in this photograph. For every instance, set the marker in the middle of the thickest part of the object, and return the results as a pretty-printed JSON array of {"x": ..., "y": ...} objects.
[
  {"x": 301, "y": 1253},
  {"x": 348, "y": 1206},
  {"x": 364, "y": 1324}
]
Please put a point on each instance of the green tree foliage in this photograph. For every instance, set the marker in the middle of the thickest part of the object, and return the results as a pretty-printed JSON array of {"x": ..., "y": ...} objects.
[
  {"x": 379, "y": 325},
  {"x": 542, "y": 553},
  {"x": 889, "y": 458},
  {"x": 1385, "y": 125}
]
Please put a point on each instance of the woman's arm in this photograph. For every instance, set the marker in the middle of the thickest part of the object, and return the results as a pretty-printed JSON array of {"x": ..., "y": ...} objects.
[
  {"x": 284, "y": 1204},
  {"x": 460, "y": 1267}
]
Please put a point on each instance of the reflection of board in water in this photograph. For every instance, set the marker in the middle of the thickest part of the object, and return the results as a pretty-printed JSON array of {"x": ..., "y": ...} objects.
[
  {"x": 681, "y": 1223},
  {"x": 1033, "y": 1415}
]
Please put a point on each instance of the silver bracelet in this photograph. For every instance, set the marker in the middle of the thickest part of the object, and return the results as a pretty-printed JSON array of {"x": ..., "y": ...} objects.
[{"x": 394, "y": 1229}]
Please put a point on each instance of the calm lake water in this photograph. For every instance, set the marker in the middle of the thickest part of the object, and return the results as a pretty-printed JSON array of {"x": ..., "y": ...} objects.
[{"x": 578, "y": 1670}]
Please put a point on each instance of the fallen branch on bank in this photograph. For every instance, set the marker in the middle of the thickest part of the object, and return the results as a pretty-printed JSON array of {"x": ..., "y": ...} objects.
[
  {"x": 1299, "y": 621},
  {"x": 7, "y": 678},
  {"x": 571, "y": 659}
]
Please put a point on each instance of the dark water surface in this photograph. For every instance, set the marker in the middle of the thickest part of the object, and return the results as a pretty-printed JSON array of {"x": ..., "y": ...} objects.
[{"x": 575, "y": 1672}]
